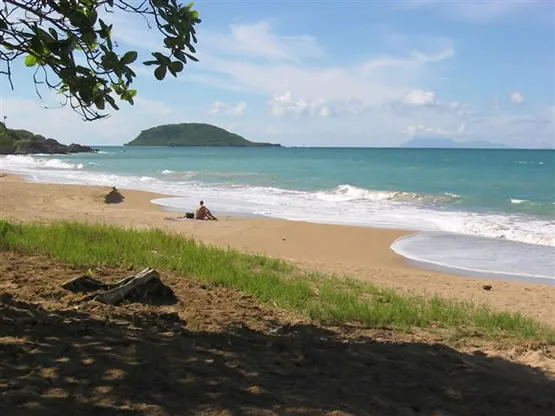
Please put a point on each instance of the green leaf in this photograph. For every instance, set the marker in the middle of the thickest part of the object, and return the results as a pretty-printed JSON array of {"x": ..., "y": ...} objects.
[
  {"x": 191, "y": 57},
  {"x": 180, "y": 55},
  {"x": 30, "y": 60},
  {"x": 85, "y": 93},
  {"x": 100, "y": 104},
  {"x": 93, "y": 16},
  {"x": 132, "y": 93},
  {"x": 160, "y": 57},
  {"x": 160, "y": 72},
  {"x": 45, "y": 36},
  {"x": 177, "y": 66},
  {"x": 53, "y": 33},
  {"x": 112, "y": 102},
  {"x": 170, "y": 42},
  {"x": 89, "y": 37},
  {"x": 148, "y": 63},
  {"x": 129, "y": 58}
]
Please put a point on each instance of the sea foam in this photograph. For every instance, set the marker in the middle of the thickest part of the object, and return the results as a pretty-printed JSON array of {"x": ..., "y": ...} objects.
[
  {"x": 25, "y": 162},
  {"x": 479, "y": 256}
]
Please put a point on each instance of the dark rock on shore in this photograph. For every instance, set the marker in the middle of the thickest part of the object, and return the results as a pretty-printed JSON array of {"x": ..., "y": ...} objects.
[
  {"x": 79, "y": 148},
  {"x": 23, "y": 142}
]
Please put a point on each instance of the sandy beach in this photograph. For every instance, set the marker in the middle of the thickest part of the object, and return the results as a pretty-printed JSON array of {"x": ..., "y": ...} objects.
[{"x": 362, "y": 253}]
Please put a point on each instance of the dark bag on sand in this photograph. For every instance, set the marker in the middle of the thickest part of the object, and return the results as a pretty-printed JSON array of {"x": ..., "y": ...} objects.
[{"x": 190, "y": 215}]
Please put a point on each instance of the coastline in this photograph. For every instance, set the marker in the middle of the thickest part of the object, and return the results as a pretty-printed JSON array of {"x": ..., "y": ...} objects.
[{"x": 362, "y": 253}]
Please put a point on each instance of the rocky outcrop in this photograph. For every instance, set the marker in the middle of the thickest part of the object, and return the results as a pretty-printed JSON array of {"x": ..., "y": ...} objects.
[{"x": 23, "y": 142}]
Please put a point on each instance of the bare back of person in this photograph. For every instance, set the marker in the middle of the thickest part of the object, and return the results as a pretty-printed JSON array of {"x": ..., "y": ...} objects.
[{"x": 203, "y": 213}]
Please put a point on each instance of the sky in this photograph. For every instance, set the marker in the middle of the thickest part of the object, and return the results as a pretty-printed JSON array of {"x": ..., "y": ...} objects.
[{"x": 321, "y": 73}]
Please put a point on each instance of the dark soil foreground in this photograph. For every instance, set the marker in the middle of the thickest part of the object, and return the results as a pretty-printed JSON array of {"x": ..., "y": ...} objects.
[{"x": 217, "y": 352}]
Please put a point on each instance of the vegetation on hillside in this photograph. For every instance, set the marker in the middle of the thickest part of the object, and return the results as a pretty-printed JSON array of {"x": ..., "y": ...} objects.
[
  {"x": 26, "y": 142},
  {"x": 325, "y": 298},
  {"x": 191, "y": 134}
]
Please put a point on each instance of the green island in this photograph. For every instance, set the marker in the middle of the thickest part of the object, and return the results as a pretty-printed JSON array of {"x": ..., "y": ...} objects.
[
  {"x": 24, "y": 142},
  {"x": 192, "y": 134}
]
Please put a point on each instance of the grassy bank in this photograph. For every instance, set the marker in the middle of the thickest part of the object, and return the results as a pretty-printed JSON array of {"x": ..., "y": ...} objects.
[{"x": 270, "y": 280}]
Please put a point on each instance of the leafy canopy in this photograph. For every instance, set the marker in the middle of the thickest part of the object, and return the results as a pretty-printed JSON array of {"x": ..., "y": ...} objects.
[{"x": 70, "y": 46}]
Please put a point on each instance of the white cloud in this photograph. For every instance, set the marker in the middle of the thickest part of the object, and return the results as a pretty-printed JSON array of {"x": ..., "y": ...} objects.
[
  {"x": 420, "y": 98},
  {"x": 281, "y": 105},
  {"x": 254, "y": 59},
  {"x": 219, "y": 107},
  {"x": 373, "y": 82},
  {"x": 413, "y": 59},
  {"x": 517, "y": 98},
  {"x": 427, "y": 131},
  {"x": 324, "y": 111},
  {"x": 259, "y": 41},
  {"x": 216, "y": 107},
  {"x": 238, "y": 109}
]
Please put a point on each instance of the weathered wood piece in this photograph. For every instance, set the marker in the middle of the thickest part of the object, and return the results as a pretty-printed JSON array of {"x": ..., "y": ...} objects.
[
  {"x": 144, "y": 286},
  {"x": 83, "y": 284},
  {"x": 127, "y": 285}
]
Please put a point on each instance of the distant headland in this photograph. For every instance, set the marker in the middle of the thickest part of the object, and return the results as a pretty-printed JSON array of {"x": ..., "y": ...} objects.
[
  {"x": 192, "y": 134},
  {"x": 23, "y": 142}
]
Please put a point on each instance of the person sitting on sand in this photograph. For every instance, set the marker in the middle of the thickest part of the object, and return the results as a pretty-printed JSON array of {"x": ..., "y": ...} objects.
[{"x": 203, "y": 213}]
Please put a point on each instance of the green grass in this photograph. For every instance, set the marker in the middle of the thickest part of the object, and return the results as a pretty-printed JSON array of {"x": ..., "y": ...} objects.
[{"x": 325, "y": 298}]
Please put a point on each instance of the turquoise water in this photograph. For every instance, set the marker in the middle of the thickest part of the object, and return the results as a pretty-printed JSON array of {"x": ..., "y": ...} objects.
[
  {"x": 484, "y": 179},
  {"x": 501, "y": 194}
]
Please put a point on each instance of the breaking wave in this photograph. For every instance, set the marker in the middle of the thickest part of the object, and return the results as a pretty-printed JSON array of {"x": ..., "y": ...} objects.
[{"x": 25, "y": 162}]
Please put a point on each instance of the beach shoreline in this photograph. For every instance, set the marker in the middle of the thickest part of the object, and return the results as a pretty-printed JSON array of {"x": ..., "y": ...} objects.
[{"x": 358, "y": 252}]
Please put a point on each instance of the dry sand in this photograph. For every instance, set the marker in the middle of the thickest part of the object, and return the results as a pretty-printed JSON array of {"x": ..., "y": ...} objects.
[{"x": 362, "y": 253}]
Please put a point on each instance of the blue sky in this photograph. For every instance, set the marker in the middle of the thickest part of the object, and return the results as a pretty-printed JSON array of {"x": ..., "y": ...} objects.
[{"x": 351, "y": 73}]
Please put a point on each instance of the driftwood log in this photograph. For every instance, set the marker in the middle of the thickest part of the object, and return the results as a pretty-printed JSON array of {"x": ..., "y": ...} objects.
[{"x": 144, "y": 286}]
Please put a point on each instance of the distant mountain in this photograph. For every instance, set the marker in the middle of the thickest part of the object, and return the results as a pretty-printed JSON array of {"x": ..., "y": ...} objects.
[
  {"x": 23, "y": 142},
  {"x": 192, "y": 134},
  {"x": 445, "y": 143}
]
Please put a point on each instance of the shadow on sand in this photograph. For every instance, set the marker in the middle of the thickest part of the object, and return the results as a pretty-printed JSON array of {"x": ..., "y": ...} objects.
[{"x": 67, "y": 363}]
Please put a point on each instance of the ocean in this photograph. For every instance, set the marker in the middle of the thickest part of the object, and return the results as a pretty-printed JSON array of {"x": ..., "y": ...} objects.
[{"x": 477, "y": 211}]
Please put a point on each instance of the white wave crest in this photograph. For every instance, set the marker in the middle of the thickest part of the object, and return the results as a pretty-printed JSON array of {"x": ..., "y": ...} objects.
[
  {"x": 354, "y": 193},
  {"x": 23, "y": 162},
  {"x": 528, "y": 162}
]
